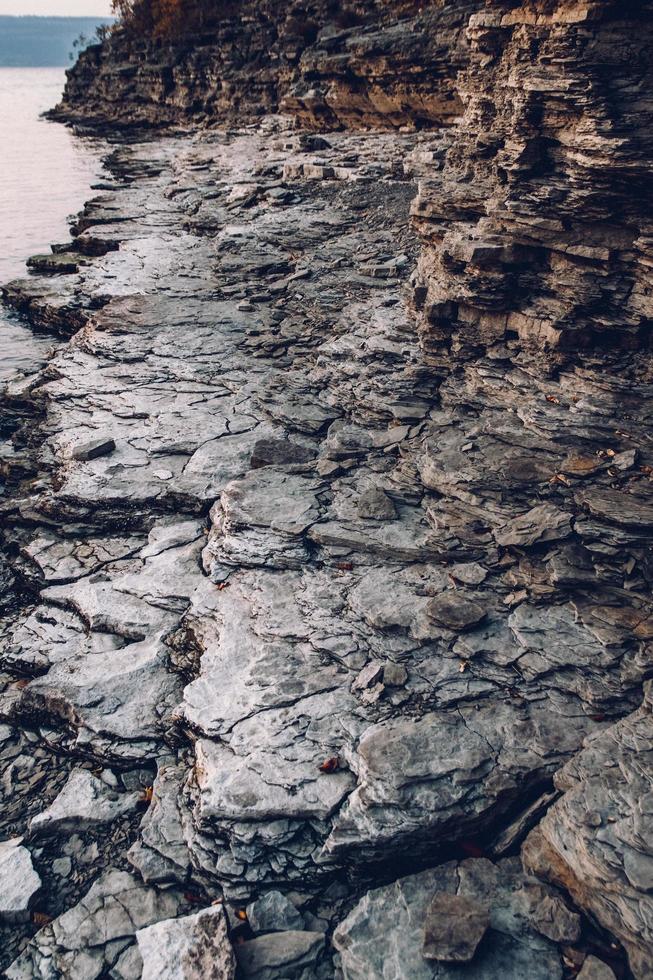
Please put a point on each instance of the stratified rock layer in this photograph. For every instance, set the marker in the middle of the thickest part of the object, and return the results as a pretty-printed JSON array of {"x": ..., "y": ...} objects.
[
  {"x": 539, "y": 225},
  {"x": 383, "y": 64},
  {"x": 321, "y": 590}
]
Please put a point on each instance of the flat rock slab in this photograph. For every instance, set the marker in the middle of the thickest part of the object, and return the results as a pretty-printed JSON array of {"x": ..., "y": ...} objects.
[
  {"x": 193, "y": 947},
  {"x": 543, "y": 523},
  {"x": 20, "y": 882},
  {"x": 455, "y": 611},
  {"x": 84, "y": 802},
  {"x": 384, "y": 934},
  {"x": 292, "y": 955},
  {"x": 86, "y": 941},
  {"x": 453, "y": 928}
]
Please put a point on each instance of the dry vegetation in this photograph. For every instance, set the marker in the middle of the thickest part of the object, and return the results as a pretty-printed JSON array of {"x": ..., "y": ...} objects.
[{"x": 170, "y": 18}]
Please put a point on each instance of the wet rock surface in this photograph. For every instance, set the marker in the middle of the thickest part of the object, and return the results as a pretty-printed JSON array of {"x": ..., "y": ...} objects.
[{"x": 309, "y": 596}]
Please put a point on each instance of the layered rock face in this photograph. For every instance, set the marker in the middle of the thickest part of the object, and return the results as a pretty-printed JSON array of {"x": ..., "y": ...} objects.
[
  {"x": 539, "y": 226},
  {"x": 346, "y": 604},
  {"x": 394, "y": 65}
]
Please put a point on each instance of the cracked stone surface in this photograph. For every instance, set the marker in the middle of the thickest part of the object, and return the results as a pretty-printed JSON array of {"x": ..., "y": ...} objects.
[
  {"x": 193, "y": 947},
  {"x": 315, "y": 592},
  {"x": 384, "y": 934},
  {"x": 19, "y": 879},
  {"x": 91, "y": 937}
]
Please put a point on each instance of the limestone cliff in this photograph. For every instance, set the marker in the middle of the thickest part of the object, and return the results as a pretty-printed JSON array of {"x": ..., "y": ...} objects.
[
  {"x": 395, "y": 66},
  {"x": 335, "y": 529},
  {"x": 539, "y": 226}
]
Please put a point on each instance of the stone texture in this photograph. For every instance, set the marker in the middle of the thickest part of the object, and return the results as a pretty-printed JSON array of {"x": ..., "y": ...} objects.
[
  {"x": 86, "y": 941},
  {"x": 536, "y": 228},
  {"x": 384, "y": 934},
  {"x": 20, "y": 882},
  {"x": 453, "y": 928},
  {"x": 193, "y": 947},
  {"x": 384, "y": 64},
  {"x": 273, "y": 912},
  {"x": 359, "y": 579},
  {"x": 595, "y": 842},
  {"x": 595, "y": 969},
  {"x": 293, "y": 955},
  {"x": 84, "y": 802}
]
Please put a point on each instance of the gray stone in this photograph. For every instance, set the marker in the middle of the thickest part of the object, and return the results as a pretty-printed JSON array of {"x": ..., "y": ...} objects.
[
  {"x": 273, "y": 912},
  {"x": 469, "y": 573},
  {"x": 62, "y": 867},
  {"x": 605, "y": 864},
  {"x": 292, "y": 955},
  {"x": 20, "y": 882},
  {"x": 453, "y": 928},
  {"x": 93, "y": 449},
  {"x": 86, "y": 941},
  {"x": 595, "y": 969},
  {"x": 374, "y": 504},
  {"x": 394, "y": 675},
  {"x": 542, "y": 523},
  {"x": 455, "y": 611},
  {"x": 83, "y": 803},
  {"x": 279, "y": 452},
  {"x": 384, "y": 934},
  {"x": 193, "y": 947}
]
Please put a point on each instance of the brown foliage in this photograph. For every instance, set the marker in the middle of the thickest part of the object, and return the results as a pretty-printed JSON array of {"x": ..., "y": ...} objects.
[{"x": 172, "y": 18}]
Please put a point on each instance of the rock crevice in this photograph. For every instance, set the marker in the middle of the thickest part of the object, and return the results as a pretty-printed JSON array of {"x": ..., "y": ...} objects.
[{"x": 334, "y": 534}]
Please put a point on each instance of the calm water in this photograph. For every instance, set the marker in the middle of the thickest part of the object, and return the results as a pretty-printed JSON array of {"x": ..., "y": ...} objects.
[{"x": 45, "y": 176}]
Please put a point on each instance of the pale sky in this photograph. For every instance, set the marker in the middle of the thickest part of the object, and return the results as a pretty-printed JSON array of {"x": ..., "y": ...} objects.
[{"x": 62, "y": 8}]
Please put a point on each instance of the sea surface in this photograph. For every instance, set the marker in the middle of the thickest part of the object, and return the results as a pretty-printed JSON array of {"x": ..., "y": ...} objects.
[{"x": 45, "y": 176}]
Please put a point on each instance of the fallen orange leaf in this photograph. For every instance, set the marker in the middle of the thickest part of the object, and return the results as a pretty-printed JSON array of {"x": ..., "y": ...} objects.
[{"x": 330, "y": 765}]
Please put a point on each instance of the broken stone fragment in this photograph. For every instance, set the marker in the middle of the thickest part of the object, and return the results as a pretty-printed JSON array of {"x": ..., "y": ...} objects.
[
  {"x": 581, "y": 466},
  {"x": 542, "y": 523},
  {"x": 193, "y": 947},
  {"x": 625, "y": 461},
  {"x": 292, "y": 955},
  {"x": 394, "y": 675},
  {"x": 470, "y": 573},
  {"x": 20, "y": 882},
  {"x": 370, "y": 674},
  {"x": 455, "y": 611},
  {"x": 551, "y": 917},
  {"x": 84, "y": 802},
  {"x": 595, "y": 969},
  {"x": 384, "y": 934},
  {"x": 617, "y": 507},
  {"x": 375, "y": 505},
  {"x": 93, "y": 449},
  {"x": 86, "y": 941},
  {"x": 454, "y": 926},
  {"x": 273, "y": 912},
  {"x": 279, "y": 452}
]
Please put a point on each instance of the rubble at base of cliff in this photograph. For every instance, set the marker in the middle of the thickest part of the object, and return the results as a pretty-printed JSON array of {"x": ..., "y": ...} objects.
[{"x": 328, "y": 652}]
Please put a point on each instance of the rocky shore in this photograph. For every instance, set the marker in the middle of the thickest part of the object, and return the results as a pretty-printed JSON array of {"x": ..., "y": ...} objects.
[{"x": 327, "y": 536}]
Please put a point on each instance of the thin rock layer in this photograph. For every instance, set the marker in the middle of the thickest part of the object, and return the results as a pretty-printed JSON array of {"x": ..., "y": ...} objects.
[{"x": 329, "y": 589}]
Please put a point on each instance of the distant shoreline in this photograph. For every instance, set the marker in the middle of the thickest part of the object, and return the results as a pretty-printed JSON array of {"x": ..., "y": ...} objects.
[{"x": 36, "y": 41}]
